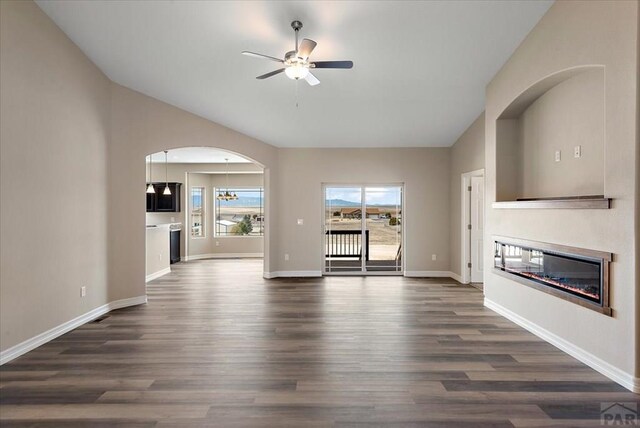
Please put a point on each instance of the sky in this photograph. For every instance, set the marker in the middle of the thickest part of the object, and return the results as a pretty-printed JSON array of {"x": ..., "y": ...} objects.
[
  {"x": 373, "y": 195},
  {"x": 253, "y": 195}
]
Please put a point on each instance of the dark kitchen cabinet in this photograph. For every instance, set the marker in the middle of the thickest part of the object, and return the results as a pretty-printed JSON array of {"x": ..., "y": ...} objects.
[
  {"x": 168, "y": 203},
  {"x": 174, "y": 246},
  {"x": 159, "y": 202}
]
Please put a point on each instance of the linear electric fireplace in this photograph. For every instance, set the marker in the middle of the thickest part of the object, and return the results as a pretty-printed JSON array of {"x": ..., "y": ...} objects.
[{"x": 578, "y": 275}]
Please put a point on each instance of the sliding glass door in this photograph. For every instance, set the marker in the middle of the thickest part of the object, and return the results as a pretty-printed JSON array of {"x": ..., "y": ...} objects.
[
  {"x": 383, "y": 224},
  {"x": 362, "y": 229}
]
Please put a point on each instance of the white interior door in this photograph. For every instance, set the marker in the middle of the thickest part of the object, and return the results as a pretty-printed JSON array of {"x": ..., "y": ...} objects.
[{"x": 477, "y": 228}]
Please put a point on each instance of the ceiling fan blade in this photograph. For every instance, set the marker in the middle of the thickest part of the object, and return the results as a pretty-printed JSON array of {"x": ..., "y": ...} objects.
[
  {"x": 312, "y": 80},
  {"x": 332, "y": 64},
  {"x": 257, "y": 55},
  {"x": 305, "y": 48},
  {"x": 273, "y": 73}
]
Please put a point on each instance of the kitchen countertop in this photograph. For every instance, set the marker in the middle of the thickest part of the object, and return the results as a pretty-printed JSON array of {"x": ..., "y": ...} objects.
[{"x": 172, "y": 226}]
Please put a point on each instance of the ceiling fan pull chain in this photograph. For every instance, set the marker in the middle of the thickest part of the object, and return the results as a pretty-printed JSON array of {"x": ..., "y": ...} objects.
[{"x": 296, "y": 93}]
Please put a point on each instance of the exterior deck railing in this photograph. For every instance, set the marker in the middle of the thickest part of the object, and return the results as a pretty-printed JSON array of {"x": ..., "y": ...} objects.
[{"x": 346, "y": 243}]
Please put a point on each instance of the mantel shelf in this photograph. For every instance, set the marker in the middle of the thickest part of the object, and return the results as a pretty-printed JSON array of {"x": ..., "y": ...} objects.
[{"x": 557, "y": 203}]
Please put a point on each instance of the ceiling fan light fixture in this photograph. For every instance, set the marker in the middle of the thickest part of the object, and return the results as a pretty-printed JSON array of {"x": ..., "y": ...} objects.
[{"x": 296, "y": 71}]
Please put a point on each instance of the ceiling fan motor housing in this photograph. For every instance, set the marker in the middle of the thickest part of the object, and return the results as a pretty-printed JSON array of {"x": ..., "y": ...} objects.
[{"x": 290, "y": 56}]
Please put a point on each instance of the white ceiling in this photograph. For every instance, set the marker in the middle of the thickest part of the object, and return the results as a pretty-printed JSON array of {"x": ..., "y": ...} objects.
[
  {"x": 198, "y": 155},
  {"x": 419, "y": 76}
]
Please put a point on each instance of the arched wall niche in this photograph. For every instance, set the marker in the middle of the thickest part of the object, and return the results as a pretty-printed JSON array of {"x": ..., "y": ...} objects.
[{"x": 550, "y": 140}]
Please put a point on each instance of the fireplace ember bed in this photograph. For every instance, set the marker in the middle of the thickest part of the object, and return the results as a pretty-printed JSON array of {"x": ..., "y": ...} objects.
[{"x": 578, "y": 275}]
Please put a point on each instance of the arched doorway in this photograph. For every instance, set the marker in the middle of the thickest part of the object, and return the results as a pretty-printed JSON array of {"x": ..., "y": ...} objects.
[{"x": 203, "y": 203}]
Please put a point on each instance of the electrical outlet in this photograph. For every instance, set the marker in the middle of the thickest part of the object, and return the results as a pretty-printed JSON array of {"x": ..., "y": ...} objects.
[
  {"x": 286, "y": 257},
  {"x": 173, "y": 219},
  {"x": 434, "y": 257},
  {"x": 217, "y": 243},
  {"x": 160, "y": 257},
  {"x": 577, "y": 151},
  {"x": 558, "y": 156},
  {"x": 83, "y": 291}
]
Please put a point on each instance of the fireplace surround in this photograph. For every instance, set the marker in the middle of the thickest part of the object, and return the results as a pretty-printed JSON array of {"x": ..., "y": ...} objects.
[{"x": 578, "y": 275}]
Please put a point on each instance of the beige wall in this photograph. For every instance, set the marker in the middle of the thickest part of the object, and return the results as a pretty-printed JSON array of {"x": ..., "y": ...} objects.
[
  {"x": 54, "y": 112},
  {"x": 575, "y": 34},
  {"x": 424, "y": 172},
  {"x": 157, "y": 249},
  {"x": 508, "y": 160},
  {"x": 569, "y": 114},
  {"x": 467, "y": 154}
]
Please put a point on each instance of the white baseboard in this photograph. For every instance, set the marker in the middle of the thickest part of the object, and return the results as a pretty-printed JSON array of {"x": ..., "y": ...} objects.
[
  {"x": 457, "y": 277},
  {"x": 317, "y": 273},
  {"x": 158, "y": 274},
  {"x": 223, "y": 256},
  {"x": 410, "y": 274},
  {"x": 623, "y": 378},
  {"x": 42, "y": 338},
  {"x": 292, "y": 274},
  {"x": 432, "y": 274}
]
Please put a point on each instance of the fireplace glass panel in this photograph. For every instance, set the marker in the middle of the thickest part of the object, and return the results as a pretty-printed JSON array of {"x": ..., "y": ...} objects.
[{"x": 579, "y": 276}]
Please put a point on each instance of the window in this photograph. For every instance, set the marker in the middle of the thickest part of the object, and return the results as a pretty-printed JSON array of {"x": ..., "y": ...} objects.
[
  {"x": 197, "y": 212},
  {"x": 243, "y": 216}
]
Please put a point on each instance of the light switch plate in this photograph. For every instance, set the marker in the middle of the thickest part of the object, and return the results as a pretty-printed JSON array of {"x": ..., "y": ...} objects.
[
  {"x": 558, "y": 155},
  {"x": 300, "y": 221}
]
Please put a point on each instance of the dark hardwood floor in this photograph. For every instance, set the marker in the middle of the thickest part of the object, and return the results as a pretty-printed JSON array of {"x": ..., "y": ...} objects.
[{"x": 219, "y": 346}]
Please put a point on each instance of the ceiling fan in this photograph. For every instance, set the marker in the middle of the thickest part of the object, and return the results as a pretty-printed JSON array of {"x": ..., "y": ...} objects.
[{"x": 296, "y": 62}]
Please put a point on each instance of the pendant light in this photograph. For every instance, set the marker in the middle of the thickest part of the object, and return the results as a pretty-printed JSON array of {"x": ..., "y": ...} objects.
[
  {"x": 150, "y": 188},
  {"x": 167, "y": 191},
  {"x": 226, "y": 196}
]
